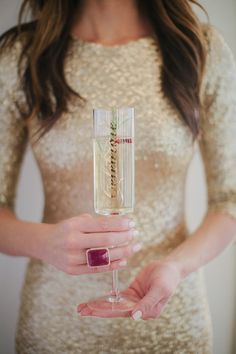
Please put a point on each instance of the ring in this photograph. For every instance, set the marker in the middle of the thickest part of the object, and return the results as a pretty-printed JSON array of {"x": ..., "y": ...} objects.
[{"x": 97, "y": 257}]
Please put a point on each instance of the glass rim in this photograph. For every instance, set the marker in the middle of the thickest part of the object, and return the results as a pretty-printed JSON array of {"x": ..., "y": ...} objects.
[
  {"x": 111, "y": 108},
  {"x": 102, "y": 118}
]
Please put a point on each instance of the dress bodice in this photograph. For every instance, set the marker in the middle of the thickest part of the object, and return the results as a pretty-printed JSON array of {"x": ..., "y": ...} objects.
[{"x": 126, "y": 75}]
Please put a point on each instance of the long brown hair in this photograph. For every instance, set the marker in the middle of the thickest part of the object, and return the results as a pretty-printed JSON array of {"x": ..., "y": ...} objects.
[{"x": 46, "y": 41}]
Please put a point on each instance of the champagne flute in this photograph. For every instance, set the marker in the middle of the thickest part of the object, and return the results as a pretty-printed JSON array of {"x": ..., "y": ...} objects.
[{"x": 113, "y": 153}]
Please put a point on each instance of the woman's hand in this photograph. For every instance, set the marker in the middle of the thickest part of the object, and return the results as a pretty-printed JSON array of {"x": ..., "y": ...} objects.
[
  {"x": 65, "y": 245},
  {"x": 151, "y": 289}
]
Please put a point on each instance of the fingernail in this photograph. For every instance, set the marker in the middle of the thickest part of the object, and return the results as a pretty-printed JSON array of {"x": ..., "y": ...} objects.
[
  {"x": 137, "y": 247},
  {"x": 123, "y": 262},
  {"x": 137, "y": 315},
  {"x": 131, "y": 224},
  {"x": 79, "y": 310},
  {"x": 136, "y": 233}
]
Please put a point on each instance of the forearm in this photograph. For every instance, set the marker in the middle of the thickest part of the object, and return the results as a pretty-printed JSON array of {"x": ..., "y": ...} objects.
[
  {"x": 216, "y": 232},
  {"x": 21, "y": 238}
]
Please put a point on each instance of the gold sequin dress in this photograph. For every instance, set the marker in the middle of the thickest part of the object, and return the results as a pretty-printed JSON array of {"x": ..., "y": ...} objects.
[{"x": 122, "y": 75}]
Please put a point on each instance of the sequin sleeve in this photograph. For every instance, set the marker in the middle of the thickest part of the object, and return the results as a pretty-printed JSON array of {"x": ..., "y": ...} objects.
[
  {"x": 218, "y": 127},
  {"x": 13, "y": 132}
]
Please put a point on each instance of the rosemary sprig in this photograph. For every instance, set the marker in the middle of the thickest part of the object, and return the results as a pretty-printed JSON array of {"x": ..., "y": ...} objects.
[{"x": 113, "y": 149}]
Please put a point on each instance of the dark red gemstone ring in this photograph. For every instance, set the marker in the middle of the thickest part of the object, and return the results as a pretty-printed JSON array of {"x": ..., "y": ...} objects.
[{"x": 97, "y": 257}]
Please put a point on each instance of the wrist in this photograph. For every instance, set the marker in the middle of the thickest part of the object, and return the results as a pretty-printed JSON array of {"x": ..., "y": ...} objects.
[
  {"x": 177, "y": 265},
  {"x": 30, "y": 239},
  {"x": 24, "y": 238},
  {"x": 38, "y": 240}
]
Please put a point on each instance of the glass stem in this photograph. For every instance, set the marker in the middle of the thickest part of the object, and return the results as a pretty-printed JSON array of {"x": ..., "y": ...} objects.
[{"x": 115, "y": 284}]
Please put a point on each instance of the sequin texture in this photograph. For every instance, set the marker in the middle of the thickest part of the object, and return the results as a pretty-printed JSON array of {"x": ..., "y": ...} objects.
[{"x": 123, "y": 75}]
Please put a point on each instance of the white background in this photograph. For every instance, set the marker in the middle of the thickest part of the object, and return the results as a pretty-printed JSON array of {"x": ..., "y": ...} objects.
[{"x": 220, "y": 274}]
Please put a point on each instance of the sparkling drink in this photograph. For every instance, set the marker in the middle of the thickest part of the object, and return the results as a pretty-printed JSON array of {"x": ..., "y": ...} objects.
[{"x": 113, "y": 174}]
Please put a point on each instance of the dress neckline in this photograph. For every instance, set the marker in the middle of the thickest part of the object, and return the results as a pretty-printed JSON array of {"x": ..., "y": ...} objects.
[{"x": 140, "y": 40}]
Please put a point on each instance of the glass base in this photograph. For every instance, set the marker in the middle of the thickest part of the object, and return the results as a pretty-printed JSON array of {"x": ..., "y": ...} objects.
[{"x": 112, "y": 303}]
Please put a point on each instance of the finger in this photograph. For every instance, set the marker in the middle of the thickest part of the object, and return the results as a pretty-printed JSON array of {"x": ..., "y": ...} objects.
[
  {"x": 124, "y": 251},
  {"x": 84, "y": 269},
  {"x": 85, "y": 311},
  {"x": 85, "y": 223},
  {"x": 160, "y": 306},
  {"x": 81, "y": 306},
  {"x": 132, "y": 293},
  {"x": 156, "y": 311},
  {"x": 105, "y": 239},
  {"x": 146, "y": 308}
]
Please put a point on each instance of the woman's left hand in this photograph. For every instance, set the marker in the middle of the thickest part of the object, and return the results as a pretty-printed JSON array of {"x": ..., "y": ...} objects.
[{"x": 151, "y": 289}]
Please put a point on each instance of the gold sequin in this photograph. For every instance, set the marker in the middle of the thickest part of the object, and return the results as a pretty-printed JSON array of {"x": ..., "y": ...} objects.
[{"x": 123, "y": 75}]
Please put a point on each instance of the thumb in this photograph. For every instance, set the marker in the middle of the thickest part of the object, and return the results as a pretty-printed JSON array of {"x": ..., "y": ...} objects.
[{"x": 147, "y": 307}]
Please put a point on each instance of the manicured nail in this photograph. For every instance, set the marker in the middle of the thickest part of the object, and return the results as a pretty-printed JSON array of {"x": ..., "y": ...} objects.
[
  {"x": 136, "y": 233},
  {"x": 137, "y": 247},
  {"x": 131, "y": 224},
  {"x": 137, "y": 315},
  {"x": 79, "y": 310},
  {"x": 123, "y": 262}
]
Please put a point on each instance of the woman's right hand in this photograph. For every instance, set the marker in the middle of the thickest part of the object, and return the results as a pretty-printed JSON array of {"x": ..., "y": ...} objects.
[{"x": 66, "y": 244}]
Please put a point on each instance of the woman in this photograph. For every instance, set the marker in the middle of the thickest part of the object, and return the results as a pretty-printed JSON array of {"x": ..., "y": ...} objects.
[{"x": 180, "y": 77}]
